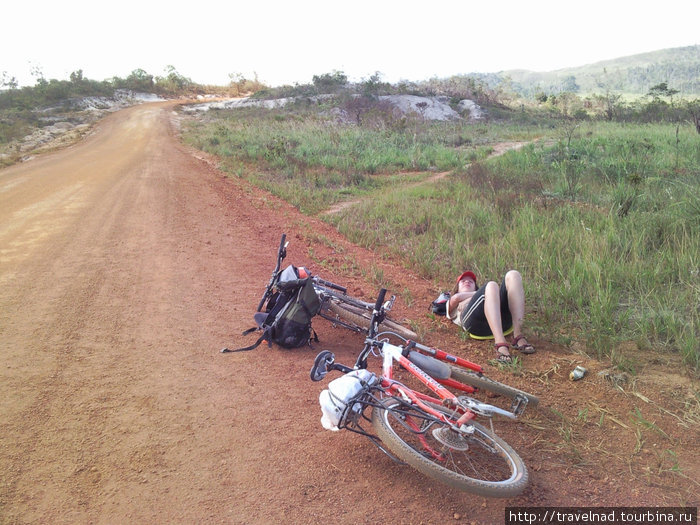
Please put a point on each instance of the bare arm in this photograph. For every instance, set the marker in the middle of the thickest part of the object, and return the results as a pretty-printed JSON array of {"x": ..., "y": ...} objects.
[{"x": 457, "y": 298}]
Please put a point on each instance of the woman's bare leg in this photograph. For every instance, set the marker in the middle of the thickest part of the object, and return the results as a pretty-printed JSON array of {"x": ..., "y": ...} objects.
[
  {"x": 516, "y": 299},
  {"x": 492, "y": 311},
  {"x": 516, "y": 304}
]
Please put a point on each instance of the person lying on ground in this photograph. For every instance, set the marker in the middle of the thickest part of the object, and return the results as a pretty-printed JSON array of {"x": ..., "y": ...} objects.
[{"x": 491, "y": 311}]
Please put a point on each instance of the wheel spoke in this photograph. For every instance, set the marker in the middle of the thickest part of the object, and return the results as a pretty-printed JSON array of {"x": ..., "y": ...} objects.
[{"x": 474, "y": 460}]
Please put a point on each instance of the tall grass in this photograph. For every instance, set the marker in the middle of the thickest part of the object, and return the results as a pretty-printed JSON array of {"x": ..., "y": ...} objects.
[
  {"x": 598, "y": 266},
  {"x": 313, "y": 161},
  {"x": 602, "y": 220}
]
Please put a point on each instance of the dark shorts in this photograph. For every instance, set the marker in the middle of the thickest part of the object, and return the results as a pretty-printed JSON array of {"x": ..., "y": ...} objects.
[{"x": 473, "y": 317}]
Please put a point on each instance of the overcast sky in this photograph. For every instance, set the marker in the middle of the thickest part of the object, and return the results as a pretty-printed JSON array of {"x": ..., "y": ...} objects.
[{"x": 287, "y": 42}]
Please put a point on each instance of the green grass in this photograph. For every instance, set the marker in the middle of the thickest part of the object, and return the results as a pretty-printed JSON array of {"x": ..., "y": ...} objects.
[{"x": 602, "y": 219}]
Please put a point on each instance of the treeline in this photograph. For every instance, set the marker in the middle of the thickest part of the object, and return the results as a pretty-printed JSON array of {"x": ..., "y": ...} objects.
[
  {"x": 634, "y": 75},
  {"x": 48, "y": 92},
  {"x": 22, "y": 109},
  {"x": 336, "y": 83},
  {"x": 661, "y": 103}
]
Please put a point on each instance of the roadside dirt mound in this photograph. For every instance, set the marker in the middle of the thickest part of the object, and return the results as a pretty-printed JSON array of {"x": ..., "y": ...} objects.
[{"x": 128, "y": 260}]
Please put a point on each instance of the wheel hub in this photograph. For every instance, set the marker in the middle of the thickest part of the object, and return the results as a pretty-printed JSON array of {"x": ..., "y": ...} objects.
[{"x": 450, "y": 438}]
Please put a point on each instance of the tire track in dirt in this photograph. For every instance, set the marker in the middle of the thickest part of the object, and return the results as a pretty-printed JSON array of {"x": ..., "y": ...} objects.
[{"x": 499, "y": 148}]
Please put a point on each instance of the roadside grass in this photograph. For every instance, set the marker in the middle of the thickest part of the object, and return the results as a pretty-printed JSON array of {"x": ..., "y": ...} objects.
[
  {"x": 307, "y": 158},
  {"x": 602, "y": 219}
]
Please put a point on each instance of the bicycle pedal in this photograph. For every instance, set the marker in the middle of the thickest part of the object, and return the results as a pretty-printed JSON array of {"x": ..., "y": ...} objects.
[{"x": 519, "y": 404}]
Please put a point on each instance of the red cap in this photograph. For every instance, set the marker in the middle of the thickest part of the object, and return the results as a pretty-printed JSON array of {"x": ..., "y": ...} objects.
[{"x": 468, "y": 273}]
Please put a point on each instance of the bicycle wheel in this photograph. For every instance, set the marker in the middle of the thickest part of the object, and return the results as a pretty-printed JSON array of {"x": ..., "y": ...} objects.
[
  {"x": 472, "y": 378},
  {"x": 478, "y": 462},
  {"x": 361, "y": 318}
]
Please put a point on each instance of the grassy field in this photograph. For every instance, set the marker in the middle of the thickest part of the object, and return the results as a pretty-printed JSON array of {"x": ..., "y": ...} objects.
[{"x": 602, "y": 219}]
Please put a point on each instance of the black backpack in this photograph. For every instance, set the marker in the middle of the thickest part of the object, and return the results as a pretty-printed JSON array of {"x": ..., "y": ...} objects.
[
  {"x": 287, "y": 317},
  {"x": 439, "y": 305}
]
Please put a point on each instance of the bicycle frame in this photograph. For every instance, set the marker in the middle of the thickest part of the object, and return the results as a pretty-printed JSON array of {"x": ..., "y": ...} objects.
[{"x": 393, "y": 353}]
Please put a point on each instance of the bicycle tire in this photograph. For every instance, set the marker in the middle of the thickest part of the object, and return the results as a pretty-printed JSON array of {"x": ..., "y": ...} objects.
[
  {"x": 333, "y": 294},
  {"x": 487, "y": 467},
  {"x": 361, "y": 319},
  {"x": 485, "y": 383}
]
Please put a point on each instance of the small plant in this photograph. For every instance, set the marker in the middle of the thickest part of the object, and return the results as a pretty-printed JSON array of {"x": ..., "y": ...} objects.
[{"x": 515, "y": 366}]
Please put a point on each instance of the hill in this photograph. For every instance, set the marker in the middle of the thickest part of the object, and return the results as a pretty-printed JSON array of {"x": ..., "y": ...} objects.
[{"x": 634, "y": 74}]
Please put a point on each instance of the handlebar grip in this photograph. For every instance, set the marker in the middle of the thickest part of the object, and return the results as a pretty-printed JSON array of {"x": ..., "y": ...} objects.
[
  {"x": 331, "y": 285},
  {"x": 336, "y": 286},
  {"x": 380, "y": 299},
  {"x": 282, "y": 241}
]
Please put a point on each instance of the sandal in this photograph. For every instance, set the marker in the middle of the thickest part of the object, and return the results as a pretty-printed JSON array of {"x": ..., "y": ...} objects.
[
  {"x": 503, "y": 353},
  {"x": 525, "y": 348}
]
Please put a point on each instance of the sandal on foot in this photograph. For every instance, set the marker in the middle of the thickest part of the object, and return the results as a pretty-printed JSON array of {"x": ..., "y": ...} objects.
[
  {"x": 525, "y": 348},
  {"x": 503, "y": 353}
]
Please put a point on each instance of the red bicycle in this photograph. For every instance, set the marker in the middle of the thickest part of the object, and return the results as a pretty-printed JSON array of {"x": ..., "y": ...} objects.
[{"x": 426, "y": 426}]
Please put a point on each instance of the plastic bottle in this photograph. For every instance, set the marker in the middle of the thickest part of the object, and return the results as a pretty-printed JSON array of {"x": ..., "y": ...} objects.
[{"x": 335, "y": 398}]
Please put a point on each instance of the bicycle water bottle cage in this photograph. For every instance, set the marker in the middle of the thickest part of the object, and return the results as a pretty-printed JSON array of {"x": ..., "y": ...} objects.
[{"x": 322, "y": 364}]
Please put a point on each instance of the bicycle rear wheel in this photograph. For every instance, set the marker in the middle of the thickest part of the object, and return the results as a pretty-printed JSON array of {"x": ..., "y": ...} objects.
[
  {"x": 478, "y": 462},
  {"x": 472, "y": 378},
  {"x": 361, "y": 318}
]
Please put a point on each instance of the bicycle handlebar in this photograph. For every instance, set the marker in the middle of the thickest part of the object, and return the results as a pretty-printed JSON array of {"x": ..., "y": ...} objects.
[
  {"x": 380, "y": 300},
  {"x": 282, "y": 245},
  {"x": 329, "y": 284}
]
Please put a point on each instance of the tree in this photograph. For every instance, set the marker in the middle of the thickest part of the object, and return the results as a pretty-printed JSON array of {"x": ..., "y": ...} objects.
[
  {"x": 661, "y": 90},
  {"x": 173, "y": 82},
  {"x": 692, "y": 107},
  {"x": 6, "y": 81},
  {"x": 611, "y": 100},
  {"x": 236, "y": 83},
  {"x": 76, "y": 77},
  {"x": 373, "y": 85},
  {"x": 330, "y": 82},
  {"x": 140, "y": 80},
  {"x": 569, "y": 85},
  {"x": 38, "y": 73}
]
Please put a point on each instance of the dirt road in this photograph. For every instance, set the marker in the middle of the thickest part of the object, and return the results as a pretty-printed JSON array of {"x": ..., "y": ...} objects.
[{"x": 126, "y": 263}]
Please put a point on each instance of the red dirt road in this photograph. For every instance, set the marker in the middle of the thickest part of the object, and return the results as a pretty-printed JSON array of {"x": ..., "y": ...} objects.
[{"x": 126, "y": 262}]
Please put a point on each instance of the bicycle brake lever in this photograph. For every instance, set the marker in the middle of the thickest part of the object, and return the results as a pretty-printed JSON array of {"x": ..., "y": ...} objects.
[{"x": 389, "y": 304}]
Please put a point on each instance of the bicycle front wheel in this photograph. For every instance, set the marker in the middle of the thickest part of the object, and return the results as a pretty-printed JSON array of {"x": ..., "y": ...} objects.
[
  {"x": 479, "y": 381},
  {"x": 479, "y": 462},
  {"x": 361, "y": 318}
]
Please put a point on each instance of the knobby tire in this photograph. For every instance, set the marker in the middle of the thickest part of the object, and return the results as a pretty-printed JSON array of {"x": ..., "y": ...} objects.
[
  {"x": 362, "y": 318},
  {"x": 484, "y": 383},
  {"x": 488, "y": 467}
]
